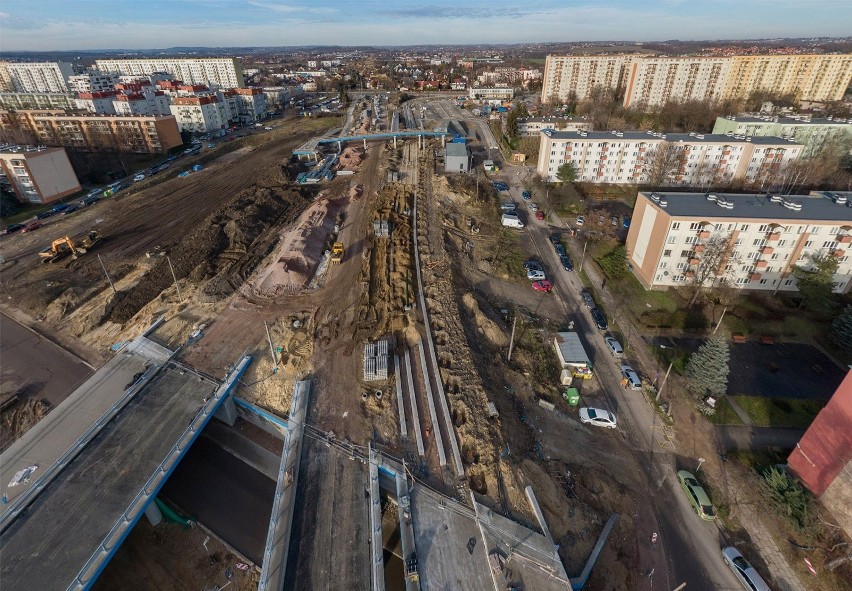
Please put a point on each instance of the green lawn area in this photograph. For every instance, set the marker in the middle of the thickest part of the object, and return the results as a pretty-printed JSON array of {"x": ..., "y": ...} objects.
[
  {"x": 508, "y": 257},
  {"x": 725, "y": 414},
  {"x": 780, "y": 412},
  {"x": 28, "y": 211}
]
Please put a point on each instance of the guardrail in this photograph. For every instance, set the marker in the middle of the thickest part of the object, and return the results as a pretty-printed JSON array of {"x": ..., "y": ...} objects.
[{"x": 95, "y": 565}]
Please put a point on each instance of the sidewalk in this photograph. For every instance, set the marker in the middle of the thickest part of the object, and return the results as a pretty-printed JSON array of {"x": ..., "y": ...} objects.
[{"x": 744, "y": 417}]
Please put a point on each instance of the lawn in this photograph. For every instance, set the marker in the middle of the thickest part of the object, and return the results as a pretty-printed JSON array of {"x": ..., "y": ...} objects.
[
  {"x": 28, "y": 211},
  {"x": 725, "y": 414},
  {"x": 780, "y": 412}
]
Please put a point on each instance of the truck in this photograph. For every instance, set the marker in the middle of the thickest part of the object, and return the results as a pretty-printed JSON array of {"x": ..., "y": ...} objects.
[
  {"x": 510, "y": 220},
  {"x": 572, "y": 356}
]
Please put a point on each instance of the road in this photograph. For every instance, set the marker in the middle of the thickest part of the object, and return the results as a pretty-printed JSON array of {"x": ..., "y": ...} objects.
[
  {"x": 691, "y": 547},
  {"x": 38, "y": 367}
]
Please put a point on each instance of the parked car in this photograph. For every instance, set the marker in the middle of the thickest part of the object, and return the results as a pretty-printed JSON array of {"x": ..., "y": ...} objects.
[
  {"x": 696, "y": 495},
  {"x": 12, "y": 228},
  {"x": 614, "y": 346},
  {"x": 560, "y": 250},
  {"x": 581, "y": 220},
  {"x": 614, "y": 220},
  {"x": 90, "y": 200},
  {"x": 555, "y": 239},
  {"x": 70, "y": 209},
  {"x": 566, "y": 262},
  {"x": 532, "y": 206},
  {"x": 544, "y": 286},
  {"x": 587, "y": 299},
  {"x": 600, "y": 321},
  {"x": 531, "y": 264},
  {"x": 745, "y": 573},
  {"x": 626, "y": 222},
  {"x": 536, "y": 275},
  {"x": 184, "y": 174},
  {"x": 507, "y": 207},
  {"x": 45, "y": 214},
  {"x": 539, "y": 215},
  {"x": 33, "y": 225},
  {"x": 634, "y": 382},
  {"x": 526, "y": 195},
  {"x": 60, "y": 208},
  {"x": 139, "y": 177},
  {"x": 598, "y": 417}
]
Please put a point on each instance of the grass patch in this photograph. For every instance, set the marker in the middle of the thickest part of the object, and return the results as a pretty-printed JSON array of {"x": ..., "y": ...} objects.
[
  {"x": 780, "y": 412},
  {"x": 28, "y": 211},
  {"x": 725, "y": 414},
  {"x": 508, "y": 257}
]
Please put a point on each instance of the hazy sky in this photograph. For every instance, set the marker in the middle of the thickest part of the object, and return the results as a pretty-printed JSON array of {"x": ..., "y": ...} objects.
[{"x": 135, "y": 24}]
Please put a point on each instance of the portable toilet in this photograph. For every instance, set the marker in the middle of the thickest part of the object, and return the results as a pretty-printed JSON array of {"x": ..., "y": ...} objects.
[{"x": 571, "y": 396}]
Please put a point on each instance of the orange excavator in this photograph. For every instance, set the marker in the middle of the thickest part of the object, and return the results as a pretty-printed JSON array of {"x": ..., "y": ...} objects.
[{"x": 62, "y": 247}]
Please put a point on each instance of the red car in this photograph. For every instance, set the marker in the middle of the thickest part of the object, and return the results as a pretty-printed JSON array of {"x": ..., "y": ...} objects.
[
  {"x": 544, "y": 286},
  {"x": 539, "y": 215}
]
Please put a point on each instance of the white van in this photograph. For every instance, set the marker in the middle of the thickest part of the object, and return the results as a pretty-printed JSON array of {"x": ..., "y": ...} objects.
[{"x": 511, "y": 221}]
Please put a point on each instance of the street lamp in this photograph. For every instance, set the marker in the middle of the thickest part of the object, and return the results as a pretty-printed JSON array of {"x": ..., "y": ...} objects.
[{"x": 700, "y": 461}]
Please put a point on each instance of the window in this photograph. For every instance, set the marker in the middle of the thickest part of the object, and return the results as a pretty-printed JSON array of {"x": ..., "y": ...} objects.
[
  {"x": 680, "y": 266},
  {"x": 738, "y": 242},
  {"x": 775, "y": 256},
  {"x": 667, "y": 253},
  {"x": 744, "y": 228},
  {"x": 742, "y": 281},
  {"x": 685, "y": 253},
  {"x": 691, "y": 239},
  {"x": 663, "y": 265},
  {"x": 763, "y": 281},
  {"x": 815, "y": 230},
  {"x": 763, "y": 228},
  {"x": 676, "y": 226},
  {"x": 809, "y": 243},
  {"x": 672, "y": 239},
  {"x": 830, "y": 244},
  {"x": 788, "y": 283},
  {"x": 694, "y": 226},
  {"x": 759, "y": 242},
  {"x": 782, "y": 243}
]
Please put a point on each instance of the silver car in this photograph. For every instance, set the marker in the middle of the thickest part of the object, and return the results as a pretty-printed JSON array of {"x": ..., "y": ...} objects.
[
  {"x": 745, "y": 573},
  {"x": 634, "y": 382},
  {"x": 536, "y": 275},
  {"x": 614, "y": 346},
  {"x": 598, "y": 416}
]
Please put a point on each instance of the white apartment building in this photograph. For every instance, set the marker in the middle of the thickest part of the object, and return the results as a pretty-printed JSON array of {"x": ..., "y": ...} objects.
[
  {"x": 653, "y": 81},
  {"x": 579, "y": 74},
  {"x": 100, "y": 103},
  {"x": 813, "y": 133},
  {"x": 675, "y": 159},
  {"x": 36, "y": 100},
  {"x": 492, "y": 93},
  {"x": 531, "y": 126},
  {"x": 93, "y": 81},
  {"x": 146, "y": 103},
  {"x": 38, "y": 174},
  {"x": 251, "y": 104},
  {"x": 752, "y": 241},
  {"x": 40, "y": 77},
  {"x": 200, "y": 114},
  {"x": 648, "y": 81},
  {"x": 219, "y": 72}
]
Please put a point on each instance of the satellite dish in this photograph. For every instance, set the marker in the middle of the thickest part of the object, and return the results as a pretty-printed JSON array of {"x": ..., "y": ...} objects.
[{"x": 665, "y": 273}]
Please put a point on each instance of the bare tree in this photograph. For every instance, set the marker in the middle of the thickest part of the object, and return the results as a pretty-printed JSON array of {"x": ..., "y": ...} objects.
[
  {"x": 663, "y": 164},
  {"x": 712, "y": 263}
]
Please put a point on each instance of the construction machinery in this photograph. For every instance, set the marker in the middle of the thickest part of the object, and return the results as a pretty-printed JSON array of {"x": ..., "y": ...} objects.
[
  {"x": 336, "y": 253},
  {"x": 65, "y": 246}
]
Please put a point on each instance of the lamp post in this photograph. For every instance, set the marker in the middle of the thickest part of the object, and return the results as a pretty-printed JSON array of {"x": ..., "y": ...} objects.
[{"x": 700, "y": 461}]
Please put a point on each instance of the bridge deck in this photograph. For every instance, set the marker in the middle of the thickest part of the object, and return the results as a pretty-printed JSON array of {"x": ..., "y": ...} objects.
[{"x": 46, "y": 547}]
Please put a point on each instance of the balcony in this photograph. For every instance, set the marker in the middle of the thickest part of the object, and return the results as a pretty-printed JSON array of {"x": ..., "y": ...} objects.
[
  {"x": 689, "y": 274},
  {"x": 767, "y": 250},
  {"x": 703, "y": 235},
  {"x": 754, "y": 277},
  {"x": 694, "y": 261},
  {"x": 838, "y": 252},
  {"x": 845, "y": 239},
  {"x": 774, "y": 237},
  {"x": 760, "y": 264},
  {"x": 699, "y": 248}
]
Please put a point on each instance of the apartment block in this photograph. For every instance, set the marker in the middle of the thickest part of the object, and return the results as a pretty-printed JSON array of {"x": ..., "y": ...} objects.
[
  {"x": 531, "y": 126},
  {"x": 221, "y": 72},
  {"x": 96, "y": 133},
  {"x": 93, "y": 81},
  {"x": 252, "y": 104},
  {"x": 812, "y": 133},
  {"x": 38, "y": 175},
  {"x": 649, "y": 81},
  {"x": 36, "y": 100},
  {"x": 99, "y": 103},
  {"x": 6, "y": 84},
  {"x": 675, "y": 159},
  {"x": 153, "y": 103},
  {"x": 492, "y": 93},
  {"x": 579, "y": 74},
  {"x": 39, "y": 76},
  {"x": 750, "y": 241},
  {"x": 200, "y": 114}
]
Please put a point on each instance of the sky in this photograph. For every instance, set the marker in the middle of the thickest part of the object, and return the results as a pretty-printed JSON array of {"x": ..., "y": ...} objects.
[{"x": 51, "y": 25}]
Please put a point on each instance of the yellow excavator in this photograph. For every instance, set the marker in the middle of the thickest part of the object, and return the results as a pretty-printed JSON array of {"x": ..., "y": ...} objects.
[
  {"x": 62, "y": 247},
  {"x": 336, "y": 253}
]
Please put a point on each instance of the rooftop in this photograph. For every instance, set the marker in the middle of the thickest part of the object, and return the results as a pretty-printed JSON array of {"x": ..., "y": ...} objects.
[
  {"x": 804, "y": 120},
  {"x": 766, "y": 207},
  {"x": 17, "y": 149},
  {"x": 692, "y": 138},
  {"x": 457, "y": 149}
]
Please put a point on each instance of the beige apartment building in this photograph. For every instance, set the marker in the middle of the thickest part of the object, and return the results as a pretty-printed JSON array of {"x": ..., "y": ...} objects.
[
  {"x": 751, "y": 241},
  {"x": 649, "y": 81},
  {"x": 220, "y": 72},
  {"x": 38, "y": 175},
  {"x": 96, "y": 133},
  {"x": 674, "y": 159}
]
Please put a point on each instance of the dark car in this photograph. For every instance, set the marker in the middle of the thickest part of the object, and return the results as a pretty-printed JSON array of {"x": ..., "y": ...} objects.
[
  {"x": 45, "y": 214},
  {"x": 90, "y": 200},
  {"x": 587, "y": 299},
  {"x": 12, "y": 228},
  {"x": 531, "y": 264},
  {"x": 526, "y": 195},
  {"x": 70, "y": 209},
  {"x": 555, "y": 239},
  {"x": 560, "y": 250},
  {"x": 600, "y": 321},
  {"x": 566, "y": 263},
  {"x": 60, "y": 208}
]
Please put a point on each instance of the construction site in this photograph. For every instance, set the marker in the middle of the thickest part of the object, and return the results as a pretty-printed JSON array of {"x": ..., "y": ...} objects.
[{"x": 386, "y": 288}]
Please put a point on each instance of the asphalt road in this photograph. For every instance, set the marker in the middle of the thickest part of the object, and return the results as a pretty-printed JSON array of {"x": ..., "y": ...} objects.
[
  {"x": 691, "y": 547},
  {"x": 42, "y": 369},
  {"x": 224, "y": 493}
]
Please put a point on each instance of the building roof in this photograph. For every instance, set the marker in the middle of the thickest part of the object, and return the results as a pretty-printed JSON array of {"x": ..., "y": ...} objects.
[
  {"x": 23, "y": 150},
  {"x": 456, "y": 149},
  {"x": 635, "y": 136},
  {"x": 764, "y": 206},
  {"x": 787, "y": 120}
]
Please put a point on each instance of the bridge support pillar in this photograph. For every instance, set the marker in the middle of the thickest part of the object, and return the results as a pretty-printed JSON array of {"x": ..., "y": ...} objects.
[
  {"x": 443, "y": 141},
  {"x": 153, "y": 513},
  {"x": 339, "y": 147},
  {"x": 394, "y": 142},
  {"x": 227, "y": 412},
  {"x": 365, "y": 144}
]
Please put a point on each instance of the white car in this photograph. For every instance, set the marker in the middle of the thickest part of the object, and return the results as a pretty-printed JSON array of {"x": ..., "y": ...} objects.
[
  {"x": 748, "y": 577},
  {"x": 634, "y": 382},
  {"x": 614, "y": 346},
  {"x": 536, "y": 275},
  {"x": 139, "y": 177},
  {"x": 581, "y": 220},
  {"x": 598, "y": 416},
  {"x": 533, "y": 207}
]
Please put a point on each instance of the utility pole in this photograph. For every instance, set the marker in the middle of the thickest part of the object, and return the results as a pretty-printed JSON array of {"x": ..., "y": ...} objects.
[
  {"x": 663, "y": 385},
  {"x": 512, "y": 338},
  {"x": 177, "y": 287},
  {"x": 583, "y": 259},
  {"x": 271, "y": 348},
  {"x": 107, "y": 274}
]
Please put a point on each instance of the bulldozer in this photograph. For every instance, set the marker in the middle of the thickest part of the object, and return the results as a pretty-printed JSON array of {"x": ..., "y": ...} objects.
[
  {"x": 336, "y": 253},
  {"x": 65, "y": 246}
]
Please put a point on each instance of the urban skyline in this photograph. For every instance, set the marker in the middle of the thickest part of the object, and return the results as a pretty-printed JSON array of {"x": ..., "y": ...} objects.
[{"x": 53, "y": 25}]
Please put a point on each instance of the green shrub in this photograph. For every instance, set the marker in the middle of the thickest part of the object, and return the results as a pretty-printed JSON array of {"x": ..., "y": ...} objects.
[{"x": 789, "y": 496}]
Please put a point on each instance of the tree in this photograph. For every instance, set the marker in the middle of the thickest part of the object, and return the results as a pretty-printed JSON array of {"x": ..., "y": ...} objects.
[
  {"x": 715, "y": 262},
  {"x": 614, "y": 263},
  {"x": 788, "y": 495},
  {"x": 663, "y": 164},
  {"x": 518, "y": 112},
  {"x": 707, "y": 370},
  {"x": 841, "y": 329},
  {"x": 566, "y": 173},
  {"x": 816, "y": 284}
]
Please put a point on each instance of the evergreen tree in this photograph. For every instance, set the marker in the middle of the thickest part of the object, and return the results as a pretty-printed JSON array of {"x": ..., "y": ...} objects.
[
  {"x": 815, "y": 284},
  {"x": 707, "y": 370},
  {"x": 567, "y": 172},
  {"x": 841, "y": 329}
]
